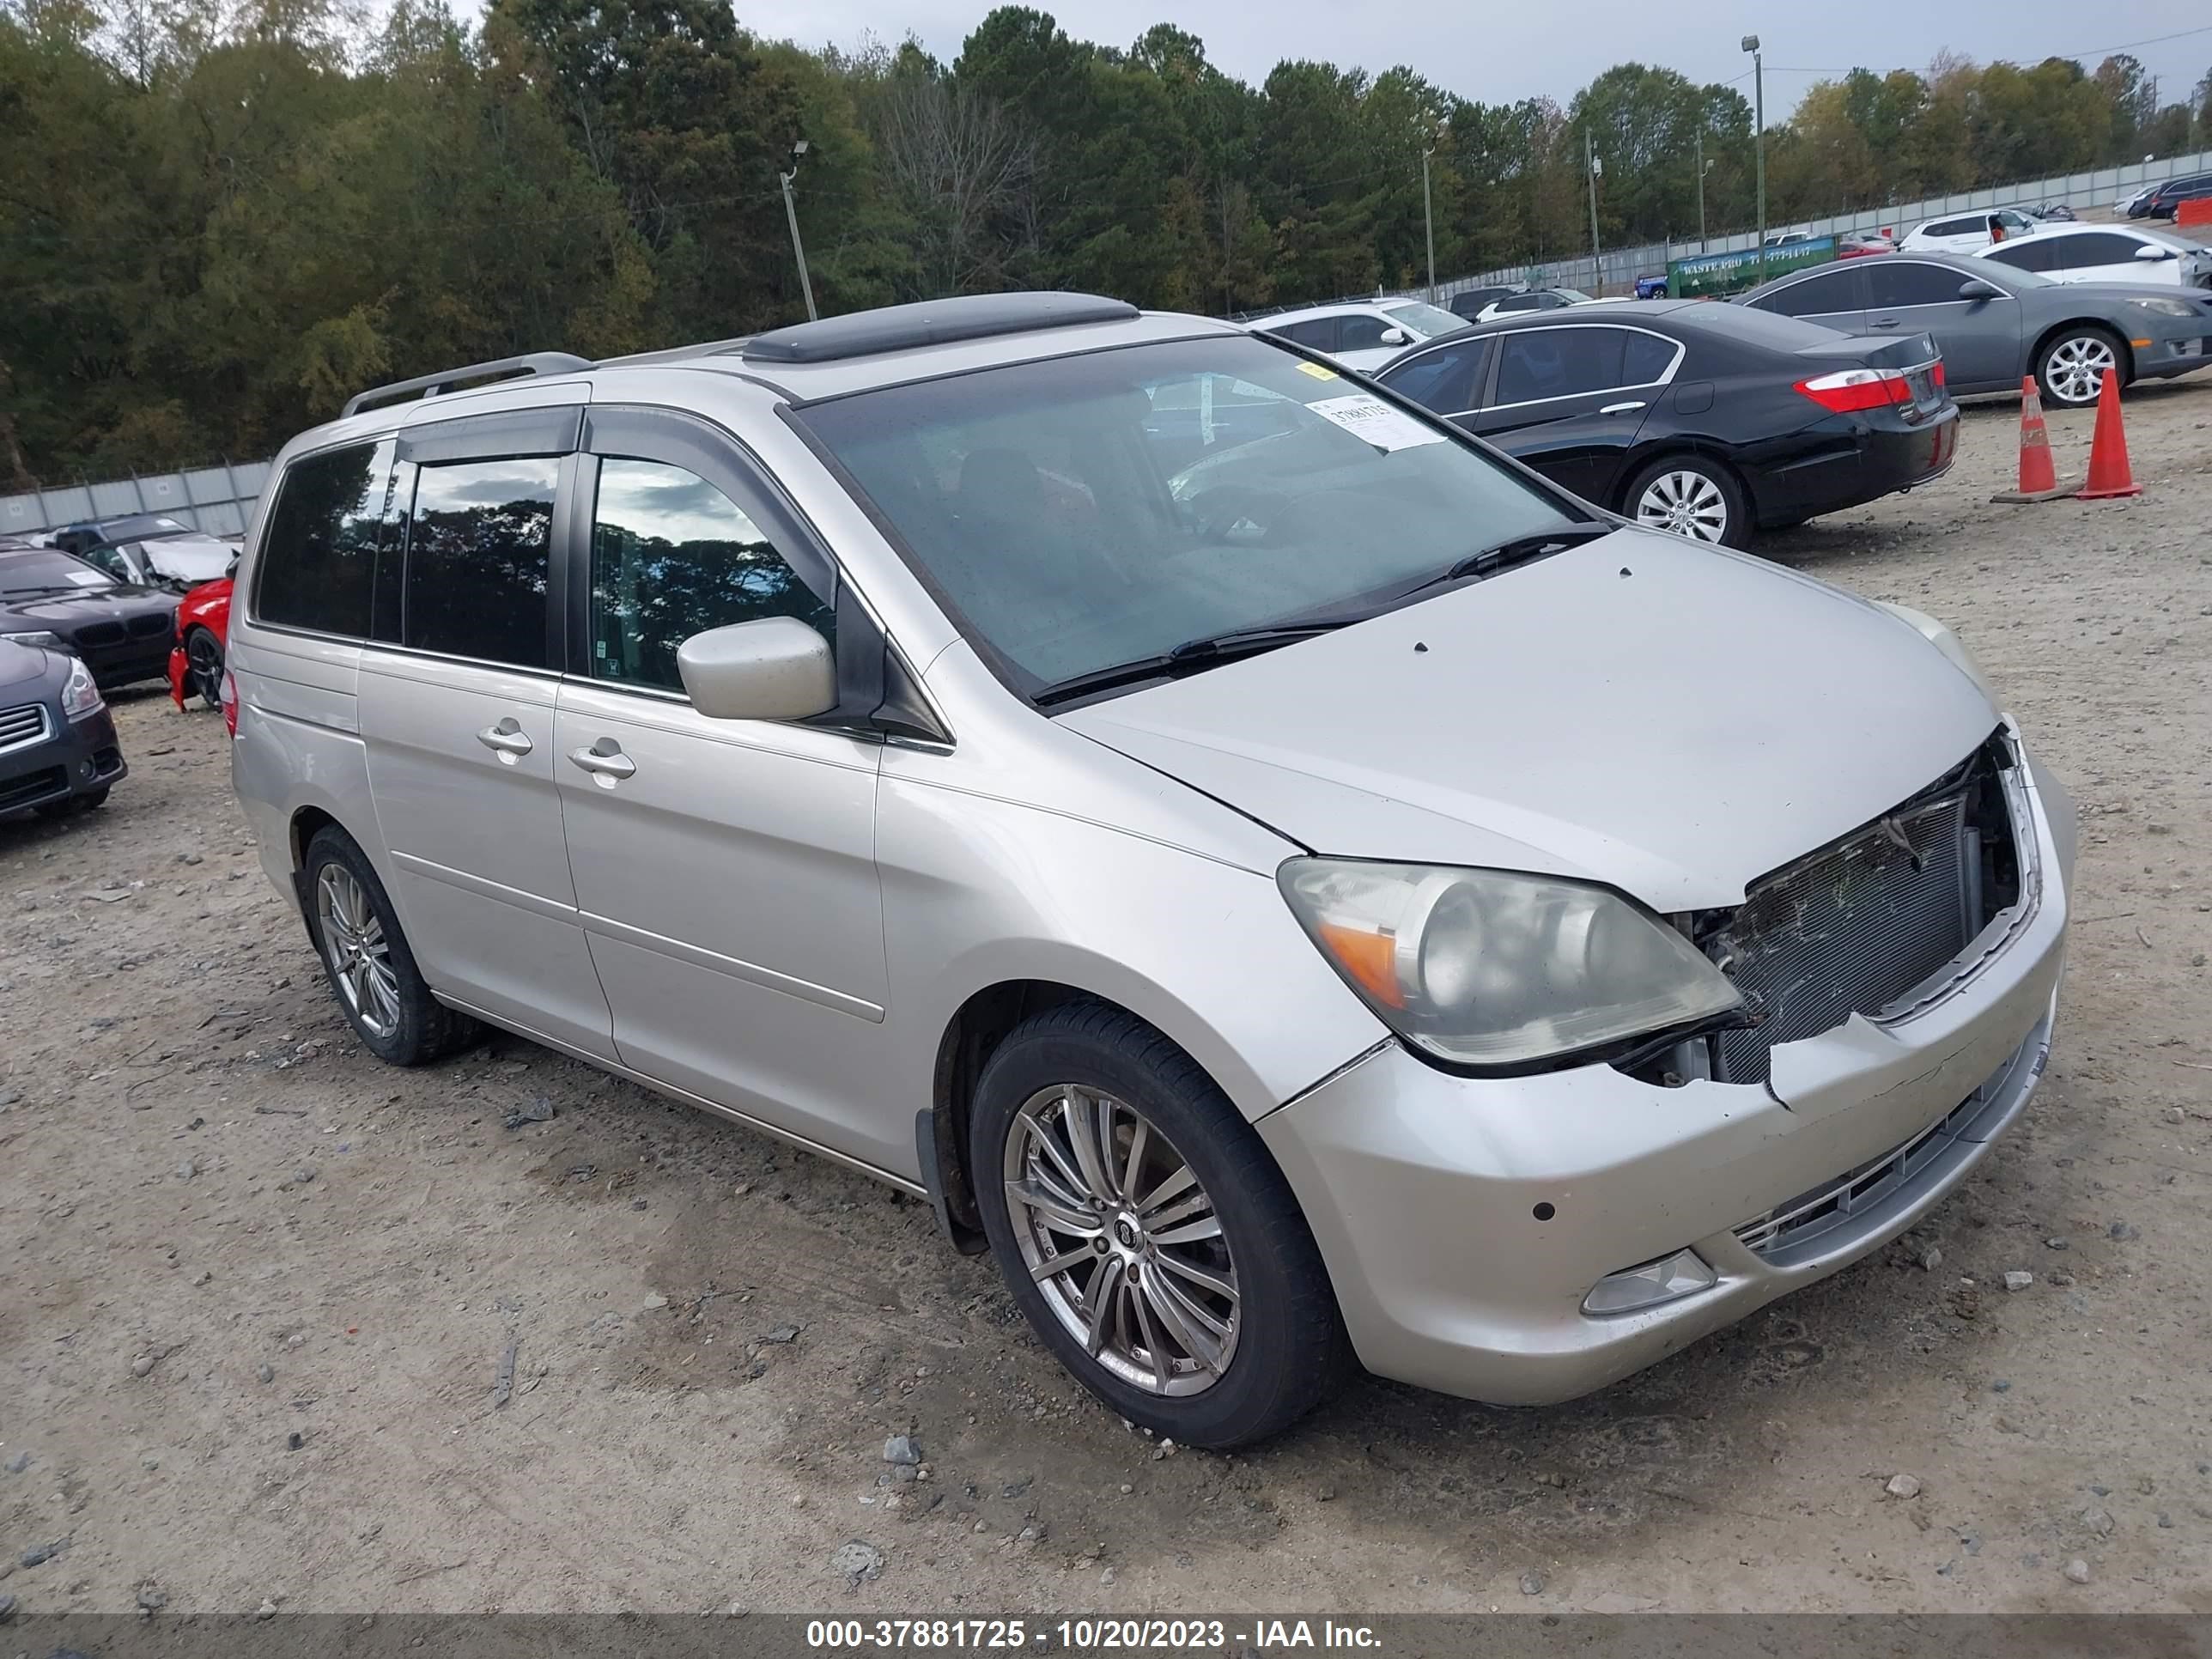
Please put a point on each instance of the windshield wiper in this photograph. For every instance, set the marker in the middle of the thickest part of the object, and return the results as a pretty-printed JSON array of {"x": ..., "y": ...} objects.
[
  {"x": 14, "y": 594},
  {"x": 1484, "y": 561},
  {"x": 1207, "y": 651}
]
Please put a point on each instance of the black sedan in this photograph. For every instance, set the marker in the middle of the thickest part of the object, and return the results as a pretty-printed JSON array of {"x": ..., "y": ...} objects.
[
  {"x": 57, "y": 748},
  {"x": 49, "y": 598},
  {"x": 1702, "y": 419}
]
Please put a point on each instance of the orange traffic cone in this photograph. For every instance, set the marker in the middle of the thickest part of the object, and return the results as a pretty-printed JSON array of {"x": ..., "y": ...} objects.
[
  {"x": 2039, "y": 477},
  {"x": 2110, "y": 474}
]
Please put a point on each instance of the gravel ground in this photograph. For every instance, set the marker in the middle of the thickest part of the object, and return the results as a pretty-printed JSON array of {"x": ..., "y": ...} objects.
[{"x": 258, "y": 1293}]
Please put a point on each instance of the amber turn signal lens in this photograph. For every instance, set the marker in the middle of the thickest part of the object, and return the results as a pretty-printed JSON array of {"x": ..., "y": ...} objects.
[{"x": 1371, "y": 959}]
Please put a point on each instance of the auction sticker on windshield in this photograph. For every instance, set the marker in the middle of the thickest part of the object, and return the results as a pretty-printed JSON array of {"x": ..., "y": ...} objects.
[{"x": 1376, "y": 421}]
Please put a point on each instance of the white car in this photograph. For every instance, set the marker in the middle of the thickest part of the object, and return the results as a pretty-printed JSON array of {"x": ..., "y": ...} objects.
[
  {"x": 2107, "y": 254},
  {"x": 1361, "y": 333},
  {"x": 1967, "y": 233}
]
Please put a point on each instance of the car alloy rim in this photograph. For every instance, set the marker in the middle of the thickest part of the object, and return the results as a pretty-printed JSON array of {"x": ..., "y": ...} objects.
[
  {"x": 2077, "y": 369},
  {"x": 206, "y": 659},
  {"x": 360, "y": 955},
  {"x": 1123, "y": 1241},
  {"x": 1684, "y": 503}
]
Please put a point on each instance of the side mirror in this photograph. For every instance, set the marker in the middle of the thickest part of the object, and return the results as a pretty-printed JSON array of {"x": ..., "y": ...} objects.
[
  {"x": 775, "y": 669},
  {"x": 2152, "y": 251},
  {"x": 1394, "y": 337},
  {"x": 1974, "y": 288}
]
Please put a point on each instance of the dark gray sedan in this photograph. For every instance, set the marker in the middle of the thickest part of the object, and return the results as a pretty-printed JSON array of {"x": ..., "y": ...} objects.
[{"x": 1994, "y": 324}]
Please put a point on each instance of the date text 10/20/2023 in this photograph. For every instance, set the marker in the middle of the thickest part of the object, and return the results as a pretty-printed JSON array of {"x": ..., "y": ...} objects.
[{"x": 1089, "y": 1635}]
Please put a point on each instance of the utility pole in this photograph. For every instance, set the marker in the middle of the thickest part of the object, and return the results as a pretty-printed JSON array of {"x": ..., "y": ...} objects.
[
  {"x": 1428, "y": 213},
  {"x": 1701, "y": 186},
  {"x": 791, "y": 213},
  {"x": 1759, "y": 139},
  {"x": 1592, "y": 165}
]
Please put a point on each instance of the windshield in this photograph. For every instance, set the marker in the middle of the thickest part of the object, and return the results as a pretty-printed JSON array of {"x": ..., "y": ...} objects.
[
  {"x": 1083, "y": 511},
  {"x": 1426, "y": 318},
  {"x": 2005, "y": 275},
  {"x": 44, "y": 572},
  {"x": 1573, "y": 296}
]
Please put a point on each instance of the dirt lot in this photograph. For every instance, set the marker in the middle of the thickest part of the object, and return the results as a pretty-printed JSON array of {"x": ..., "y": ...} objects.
[{"x": 254, "y": 1287}]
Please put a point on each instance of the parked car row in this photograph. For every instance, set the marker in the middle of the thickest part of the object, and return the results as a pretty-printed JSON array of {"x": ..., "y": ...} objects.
[
  {"x": 2163, "y": 200},
  {"x": 81, "y": 620}
]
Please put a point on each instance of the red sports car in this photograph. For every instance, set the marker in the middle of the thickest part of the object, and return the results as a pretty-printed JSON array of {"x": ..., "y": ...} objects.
[{"x": 203, "y": 635}]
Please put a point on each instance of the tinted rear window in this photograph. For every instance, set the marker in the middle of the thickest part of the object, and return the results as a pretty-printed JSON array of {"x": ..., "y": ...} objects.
[{"x": 318, "y": 549}]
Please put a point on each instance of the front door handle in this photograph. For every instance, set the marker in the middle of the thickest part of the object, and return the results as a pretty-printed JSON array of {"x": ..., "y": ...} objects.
[
  {"x": 508, "y": 738},
  {"x": 604, "y": 761},
  {"x": 1620, "y": 408},
  {"x": 1885, "y": 322}
]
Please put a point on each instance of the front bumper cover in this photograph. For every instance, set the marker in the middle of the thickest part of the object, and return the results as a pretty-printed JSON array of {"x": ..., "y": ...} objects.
[{"x": 1425, "y": 1190}]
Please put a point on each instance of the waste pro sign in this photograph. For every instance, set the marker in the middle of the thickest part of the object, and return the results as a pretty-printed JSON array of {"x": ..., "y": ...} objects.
[{"x": 1731, "y": 273}]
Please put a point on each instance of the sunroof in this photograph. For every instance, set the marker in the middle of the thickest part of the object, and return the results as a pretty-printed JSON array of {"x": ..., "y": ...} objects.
[{"x": 930, "y": 322}]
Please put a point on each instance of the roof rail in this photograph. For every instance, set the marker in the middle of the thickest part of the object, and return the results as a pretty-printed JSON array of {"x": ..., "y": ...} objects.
[
  {"x": 930, "y": 322},
  {"x": 531, "y": 362}
]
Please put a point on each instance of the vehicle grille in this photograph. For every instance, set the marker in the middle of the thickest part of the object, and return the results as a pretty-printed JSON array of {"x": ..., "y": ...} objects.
[
  {"x": 105, "y": 632},
  {"x": 148, "y": 626},
  {"x": 22, "y": 726},
  {"x": 31, "y": 787},
  {"x": 1828, "y": 1214},
  {"x": 1851, "y": 928}
]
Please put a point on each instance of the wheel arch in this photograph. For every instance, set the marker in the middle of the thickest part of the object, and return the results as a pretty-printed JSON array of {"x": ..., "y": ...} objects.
[
  {"x": 1679, "y": 446},
  {"x": 974, "y": 1031},
  {"x": 2102, "y": 325}
]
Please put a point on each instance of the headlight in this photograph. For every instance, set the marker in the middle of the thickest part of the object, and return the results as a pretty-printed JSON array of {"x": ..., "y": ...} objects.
[
  {"x": 81, "y": 697},
  {"x": 1946, "y": 641},
  {"x": 2164, "y": 307},
  {"x": 1488, "y": 968},
  {"x": 38, "y": 636}
]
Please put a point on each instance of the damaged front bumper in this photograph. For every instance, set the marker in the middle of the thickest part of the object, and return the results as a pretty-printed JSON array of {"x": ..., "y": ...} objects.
[{"x": 1465, "y": 1221}]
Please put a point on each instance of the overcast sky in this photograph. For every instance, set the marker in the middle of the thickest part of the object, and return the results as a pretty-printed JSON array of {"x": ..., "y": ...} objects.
[{"x": 1497, "y": 50}]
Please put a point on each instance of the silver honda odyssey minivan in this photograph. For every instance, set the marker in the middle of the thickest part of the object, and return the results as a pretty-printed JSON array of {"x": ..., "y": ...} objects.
[{"x": 1295, "y": 887}]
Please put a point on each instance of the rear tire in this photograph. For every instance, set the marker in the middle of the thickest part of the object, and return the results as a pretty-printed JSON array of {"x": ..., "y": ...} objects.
[
  {"x": 1690, "y": 496},
  {"x": 367, "y": 961},
  {"x": 2069, "y": 368},
  {"x": 1214, "y": 1324}
]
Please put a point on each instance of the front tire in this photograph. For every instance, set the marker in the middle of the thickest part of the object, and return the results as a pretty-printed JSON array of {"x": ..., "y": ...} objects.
[
  {"x": 1148, "y": 1236},
  {"x": 367, "y": 959},
  {"x": 1690, "y": 496},
  {"x": 2070, "y": 368}
]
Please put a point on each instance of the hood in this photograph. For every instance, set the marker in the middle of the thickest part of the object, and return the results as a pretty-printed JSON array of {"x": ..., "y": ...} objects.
[
  {"x": 190, "y": 558},
  {"x": 19, "y": 663},
  {"x": 1641, "y": 711},
  {"x": 2068, "y": 295},
  {"x": 85, "y": 605}
]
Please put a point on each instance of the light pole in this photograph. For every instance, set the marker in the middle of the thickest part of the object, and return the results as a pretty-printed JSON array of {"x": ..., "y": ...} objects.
[
  {"x": 791, "y": 213},
  {"x": 1595, "y": 168},
  {"x": 1702, "y": 165},
  {"x": 1759, "y": 139},
  {"x": 1428, "y": 213}
]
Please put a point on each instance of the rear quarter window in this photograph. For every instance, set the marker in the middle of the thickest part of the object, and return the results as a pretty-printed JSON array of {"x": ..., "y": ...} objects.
[{"x": 316, "y": 564}]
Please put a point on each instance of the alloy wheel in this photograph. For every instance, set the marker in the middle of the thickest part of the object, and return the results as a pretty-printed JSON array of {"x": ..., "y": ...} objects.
[
  {"x": 1684, "y": 503},
  {"x": 1122, "y": 1240},
  {"x": 360, "y": 955},
  {"x": 204, "y": 657},
  {"x": 2076, "y": 367}
]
